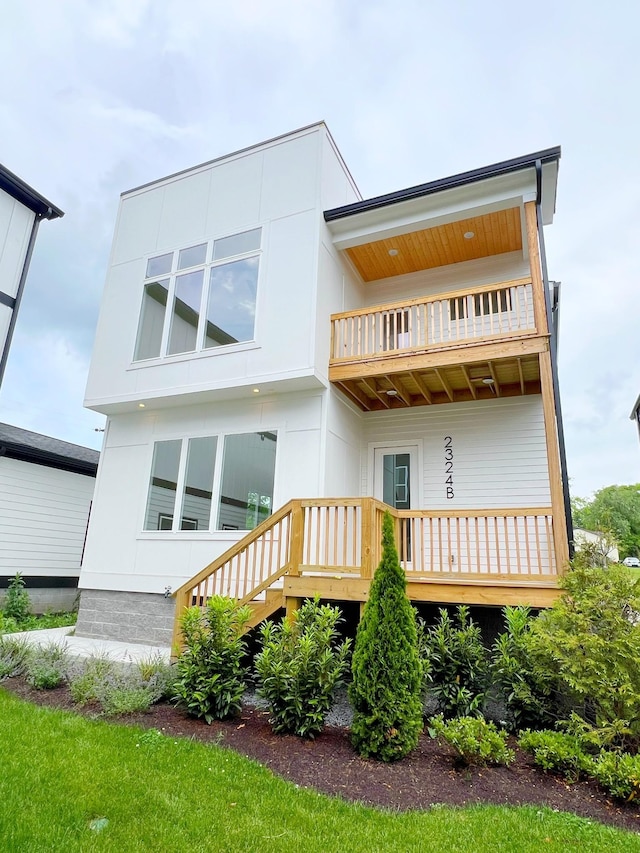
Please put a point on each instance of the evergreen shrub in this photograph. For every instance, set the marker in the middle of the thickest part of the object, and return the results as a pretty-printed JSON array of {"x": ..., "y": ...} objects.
[
  {"x": 387, "y": 687},
  {"x": 300, "y": 666},
  {"x": 210, "y": 673},
  {"x": 475, "y": 740},
  {"x": 457, "y": 663}
]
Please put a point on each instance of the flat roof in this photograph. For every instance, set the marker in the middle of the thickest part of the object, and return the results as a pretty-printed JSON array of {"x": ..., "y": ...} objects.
[
  {"x": 548, "y": 155},
  {"x": 26, "y": 195}
]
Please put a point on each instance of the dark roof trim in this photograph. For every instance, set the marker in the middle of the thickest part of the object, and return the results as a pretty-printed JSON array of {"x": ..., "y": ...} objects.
[
  {"x": 17, "y": 443},
  {"x": 528, "y": 161},
  {"x": 26, "y": 195}
]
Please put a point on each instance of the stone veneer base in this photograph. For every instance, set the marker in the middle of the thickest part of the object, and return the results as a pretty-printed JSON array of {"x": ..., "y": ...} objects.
[{"x": 130, "y": 617}]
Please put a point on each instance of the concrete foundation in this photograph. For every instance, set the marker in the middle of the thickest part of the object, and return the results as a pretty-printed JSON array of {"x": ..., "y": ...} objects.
[
  {"x": 48, "y": 599},
  {"x": 131, "y": 617}
]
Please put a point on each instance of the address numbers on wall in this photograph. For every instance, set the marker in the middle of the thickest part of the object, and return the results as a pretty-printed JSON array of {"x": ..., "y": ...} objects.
[{"x": 448, "y": 467}]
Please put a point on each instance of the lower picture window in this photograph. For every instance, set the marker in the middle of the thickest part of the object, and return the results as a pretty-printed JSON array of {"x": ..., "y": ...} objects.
[{"x": 188, "y": 475}]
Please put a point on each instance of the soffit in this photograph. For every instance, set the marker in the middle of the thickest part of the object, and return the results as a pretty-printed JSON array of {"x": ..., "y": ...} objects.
[{"x": 494, "y": 233}]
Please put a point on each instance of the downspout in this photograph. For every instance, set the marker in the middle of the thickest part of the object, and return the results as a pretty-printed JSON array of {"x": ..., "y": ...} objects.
[
  {"x": 16, "y": 305},
  {"x": 553, "y": 314}
]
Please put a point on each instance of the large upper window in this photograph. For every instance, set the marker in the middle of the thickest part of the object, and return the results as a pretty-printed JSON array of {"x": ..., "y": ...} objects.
[
  {"x": 194, "y": 487},
  {"x": 200, "y": 297}
]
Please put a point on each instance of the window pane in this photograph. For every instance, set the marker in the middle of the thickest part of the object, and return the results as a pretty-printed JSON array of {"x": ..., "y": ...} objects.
[
  {"x": 192, "y": 257},
  {"x": 154, "y": 303},
  {"x": 160, "y": 265},
  {"x": 186, "y": 313},
  {"x": 196, "y": 497},
  {"x": 231, "y": 308},
  {"x": 161, "y": 501},
  {"x": 237, "y": 244},
  {"x": 246, "y": 496}
]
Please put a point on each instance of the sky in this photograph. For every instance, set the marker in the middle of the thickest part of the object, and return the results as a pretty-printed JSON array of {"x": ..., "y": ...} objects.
[{"x": 99, "y": 96}]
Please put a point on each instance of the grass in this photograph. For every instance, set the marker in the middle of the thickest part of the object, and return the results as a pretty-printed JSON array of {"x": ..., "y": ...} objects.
[{"x": 72, "y": 784}]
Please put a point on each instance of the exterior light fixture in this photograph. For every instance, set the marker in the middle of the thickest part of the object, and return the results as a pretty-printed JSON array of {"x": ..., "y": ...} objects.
[
  {"x": 469, "y": 235},
  {"x": 393, "y": 252},
  {"x": 141, "y": 405},
  {"x": 256, "y": 390},
  {"x": 392, "y": 392},
  {"x": 488, "y": 381}
]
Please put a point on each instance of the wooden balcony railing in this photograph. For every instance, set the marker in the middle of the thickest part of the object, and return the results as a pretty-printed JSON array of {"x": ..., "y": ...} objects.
[
  {"x": 485, "y": 313},
  {"x": 343, "y": 537}
]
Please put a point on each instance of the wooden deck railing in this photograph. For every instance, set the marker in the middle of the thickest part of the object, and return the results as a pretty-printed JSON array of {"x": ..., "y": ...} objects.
[
  {"x": 344, "y": 536},
  {"x": 501, "y": 310}
]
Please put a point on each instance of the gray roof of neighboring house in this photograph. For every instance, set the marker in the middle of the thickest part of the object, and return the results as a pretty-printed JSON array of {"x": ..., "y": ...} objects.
[
  {"x": 29, "y": 446},
  {"x": 26, "y": 195}
]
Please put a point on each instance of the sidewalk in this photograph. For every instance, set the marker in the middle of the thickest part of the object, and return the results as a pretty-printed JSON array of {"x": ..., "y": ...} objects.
[{"x": 84, "y": 647}]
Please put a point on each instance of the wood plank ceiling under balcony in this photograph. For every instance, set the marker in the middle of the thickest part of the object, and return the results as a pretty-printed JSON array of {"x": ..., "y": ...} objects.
[
  {"x": 493, "y": 234},
  {"x": 459, "y": 374}
]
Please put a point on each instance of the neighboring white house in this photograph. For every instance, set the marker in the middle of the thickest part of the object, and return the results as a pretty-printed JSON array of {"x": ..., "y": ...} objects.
[
  {"x": 21, "y": 211},
  {"x": 599, "y": 542},
  {"x": 272, "y": 351},
  {"x": 46, "y": 487}
]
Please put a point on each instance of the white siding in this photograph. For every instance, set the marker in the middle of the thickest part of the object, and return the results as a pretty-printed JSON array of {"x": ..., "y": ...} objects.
[
  {"x": 120, "y": 555},
  {"x": 499, "y": 451},
  {"x": 506, "y": 267},
  {"x": 15, "y": 227},
  {"x": 43, "y": 518},
  {"x": 344, "y": 441}
]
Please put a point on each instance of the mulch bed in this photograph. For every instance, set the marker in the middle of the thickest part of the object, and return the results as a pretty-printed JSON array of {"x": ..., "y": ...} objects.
[{"x": 329, "y": 764}]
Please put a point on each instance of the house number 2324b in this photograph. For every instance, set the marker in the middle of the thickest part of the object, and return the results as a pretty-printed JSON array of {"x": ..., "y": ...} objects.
[{"x": 448, "y": 467}]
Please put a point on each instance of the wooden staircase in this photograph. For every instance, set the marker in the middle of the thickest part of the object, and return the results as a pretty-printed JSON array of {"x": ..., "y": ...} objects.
[{"x": 331, "y": 547}]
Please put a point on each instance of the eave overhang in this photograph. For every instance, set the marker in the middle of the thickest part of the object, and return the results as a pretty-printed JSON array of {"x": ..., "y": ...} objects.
[{"x": 26, "y": 195}]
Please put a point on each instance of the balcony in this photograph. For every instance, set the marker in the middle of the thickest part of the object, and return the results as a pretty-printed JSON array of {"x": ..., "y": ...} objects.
[{"x": 468, "y": 344}]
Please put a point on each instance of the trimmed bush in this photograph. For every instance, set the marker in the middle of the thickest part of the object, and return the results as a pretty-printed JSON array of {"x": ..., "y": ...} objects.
[
  {"x": 387, "y": 687},
  {"x": 300, "y": 666},
  {"x": 525, "y": 690},
  {"x": 210, "y": 675},
  {"x": 457, "y": 663},
  {"x": 557, "y": 751},
  {"x": 475, "y": 740},
  {"x": 618, "y": 773}
]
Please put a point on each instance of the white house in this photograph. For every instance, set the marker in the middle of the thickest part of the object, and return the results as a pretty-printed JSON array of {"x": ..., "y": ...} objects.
[
  {"x": 21, "y": 211},
  {"x": 46, "y": 487},
  {"x": 277, "y": 357}
]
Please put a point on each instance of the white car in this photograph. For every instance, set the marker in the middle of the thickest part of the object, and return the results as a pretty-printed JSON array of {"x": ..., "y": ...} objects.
[{"x": 632, "y": 562}]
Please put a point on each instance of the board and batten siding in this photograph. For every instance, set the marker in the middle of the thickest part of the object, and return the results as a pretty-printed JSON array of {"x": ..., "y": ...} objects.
[
  {"x": 43, "y": 519},
  {"x": 498, "y": 452}
]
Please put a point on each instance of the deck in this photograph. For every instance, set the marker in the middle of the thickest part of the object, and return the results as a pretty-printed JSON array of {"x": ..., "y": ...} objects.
[{"x": 332, "y": 547}]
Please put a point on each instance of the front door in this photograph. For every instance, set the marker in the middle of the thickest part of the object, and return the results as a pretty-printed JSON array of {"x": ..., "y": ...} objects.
[{"x": 395, "y": 483}]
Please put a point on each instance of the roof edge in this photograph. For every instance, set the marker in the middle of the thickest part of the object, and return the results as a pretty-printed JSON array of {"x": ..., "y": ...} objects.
[
  {"x": 22, "y": 192},
  {"x": 517, "y": 164}
]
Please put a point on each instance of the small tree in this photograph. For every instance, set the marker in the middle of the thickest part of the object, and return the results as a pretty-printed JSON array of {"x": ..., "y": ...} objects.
[
  {"x": 211, "y": 678},
  {"x": 386, "y": 691},
  {"x": 17, "y": 604}
]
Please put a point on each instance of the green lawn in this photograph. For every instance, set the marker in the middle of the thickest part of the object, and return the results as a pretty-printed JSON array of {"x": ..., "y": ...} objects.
[{"x": 62, "y": 773}]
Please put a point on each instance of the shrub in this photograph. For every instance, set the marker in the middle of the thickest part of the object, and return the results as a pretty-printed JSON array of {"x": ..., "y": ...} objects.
[
  {"x": 210, "y": 675},
  {"x": 158, "y": 676},
  {"x": 458, "y": 664},
  {"x": 558, "y": 751},
  {"x": 87, "y": 685},
  {"x": 8, "y": 625},
  {"x": 13, "y": 657},
  {"x": 47, "y": 666},
  {"x": 526, "y": 690},
  {"x": 386, "y": 691},
  {"x": 300, "y": 666},
  {"x": 618, "y": 773},
  {"x": 474, "y": 739},
  {"x": 17, "y": 604},
  {"x": 589, "y": 639}
]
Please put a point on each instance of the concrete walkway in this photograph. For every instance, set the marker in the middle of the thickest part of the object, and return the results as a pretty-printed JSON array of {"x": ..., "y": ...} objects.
[{"x": 84, "y": 647}]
